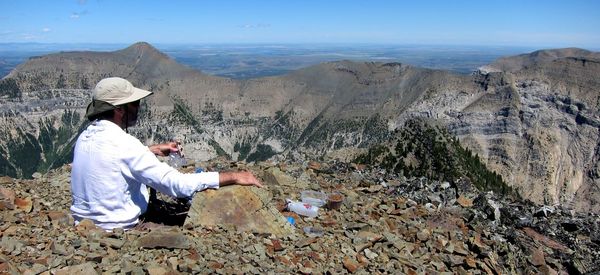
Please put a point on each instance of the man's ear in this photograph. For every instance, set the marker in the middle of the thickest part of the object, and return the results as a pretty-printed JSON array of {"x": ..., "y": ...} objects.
[
  {"x": 118, "y": 113},
  {"x": 119, "y": 109}
]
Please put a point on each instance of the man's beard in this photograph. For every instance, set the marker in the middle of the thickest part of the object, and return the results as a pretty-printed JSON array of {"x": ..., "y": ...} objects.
[{"x": 131, "y": 117}]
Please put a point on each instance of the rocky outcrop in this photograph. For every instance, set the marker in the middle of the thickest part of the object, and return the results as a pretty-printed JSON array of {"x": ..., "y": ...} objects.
[
  {"x": 245, "y": 208},
  {"x": 532, "y": 119},
  {"x": 538, "y": 127}
]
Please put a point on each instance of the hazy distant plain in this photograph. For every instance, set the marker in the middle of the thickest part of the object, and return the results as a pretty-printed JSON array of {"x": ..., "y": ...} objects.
[{"x": 251, "y": 61}]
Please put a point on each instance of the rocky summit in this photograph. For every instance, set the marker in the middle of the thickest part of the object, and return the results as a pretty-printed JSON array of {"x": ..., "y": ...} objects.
[{"x": 373, "y": 221}]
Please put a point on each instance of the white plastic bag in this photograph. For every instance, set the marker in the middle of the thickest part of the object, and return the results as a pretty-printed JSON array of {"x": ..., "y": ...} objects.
[{"x": 303, "y": 209}]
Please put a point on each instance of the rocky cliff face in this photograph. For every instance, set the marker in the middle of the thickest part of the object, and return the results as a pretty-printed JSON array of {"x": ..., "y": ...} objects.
[
  {"x": 535, "y": 121},
  {"x": 533, "y": 118}
]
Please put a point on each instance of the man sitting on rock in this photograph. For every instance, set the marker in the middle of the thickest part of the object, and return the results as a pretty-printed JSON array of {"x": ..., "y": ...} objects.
[{"x": 112, "y": 169}]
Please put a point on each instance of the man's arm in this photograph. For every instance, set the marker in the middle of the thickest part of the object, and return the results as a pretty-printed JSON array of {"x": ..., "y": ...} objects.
[
  {"x": 225, "y": 178},
  {"x": 164, "y": 149},
  {"x": 239, "y": 178}
]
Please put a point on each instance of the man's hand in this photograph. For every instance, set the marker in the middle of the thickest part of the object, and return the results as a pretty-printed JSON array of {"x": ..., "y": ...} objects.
[
  {"x": 164, "y": 149},
  {"x": 239, "y": 178}
]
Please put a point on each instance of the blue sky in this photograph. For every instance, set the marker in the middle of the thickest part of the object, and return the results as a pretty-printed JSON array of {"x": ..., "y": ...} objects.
[{"x": 540, "y": 23}]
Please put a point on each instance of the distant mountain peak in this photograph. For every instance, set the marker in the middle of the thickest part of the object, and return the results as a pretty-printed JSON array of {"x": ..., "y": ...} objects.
[
  {"x": 142, "y": 46},
  {"x": 142, "y": 49},
  {"x": 559, "y": 53},
  {"x": 515, "y": 63}
]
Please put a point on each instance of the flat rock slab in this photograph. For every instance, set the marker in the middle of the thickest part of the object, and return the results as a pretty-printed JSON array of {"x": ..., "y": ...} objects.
[
  {"x": 274, "y": 176},
  {"x": 246, "y": 208},
  {"x": 82, "y": 269},
  {"x": 164, "y": 239}
]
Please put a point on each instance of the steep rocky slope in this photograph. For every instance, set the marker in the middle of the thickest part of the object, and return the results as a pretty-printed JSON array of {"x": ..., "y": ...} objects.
[{"x": 533, "y": 119}]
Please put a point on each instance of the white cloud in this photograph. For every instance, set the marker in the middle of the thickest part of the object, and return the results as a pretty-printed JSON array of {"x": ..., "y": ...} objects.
[
  {"x": 76, "y": 15},
  {"x": 46, "y": 29},
  {"x": 28, "y": 36},
  {"x": 255, "y": 26}
]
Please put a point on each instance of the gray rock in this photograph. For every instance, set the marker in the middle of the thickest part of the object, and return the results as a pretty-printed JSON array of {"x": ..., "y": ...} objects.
[
  {"x": 10, "y": 244},
  {"x": 7, "y": 198},
  {"x": 81, "y": 269},
  {"x": 112, "y": 243},
  {"x": 163, "y": 239}
]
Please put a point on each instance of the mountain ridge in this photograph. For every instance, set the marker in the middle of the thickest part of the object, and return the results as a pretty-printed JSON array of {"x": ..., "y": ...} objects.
[
  {"x": 510, "y": 116},
  {"x": 514, "y": 63}
]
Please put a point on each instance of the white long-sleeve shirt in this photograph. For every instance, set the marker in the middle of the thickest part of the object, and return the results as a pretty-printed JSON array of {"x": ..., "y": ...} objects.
[{"x": 110, "y": 172}]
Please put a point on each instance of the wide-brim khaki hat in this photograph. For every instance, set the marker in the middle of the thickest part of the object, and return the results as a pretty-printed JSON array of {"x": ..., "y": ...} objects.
[{"x": 112, "y": 92}]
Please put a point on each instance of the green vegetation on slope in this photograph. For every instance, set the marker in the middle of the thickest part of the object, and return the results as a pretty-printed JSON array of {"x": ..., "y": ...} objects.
[
  {"x": 243, "y": 148},
  {"x": 6, "y": 167},
  {"x": 9, "y": 87},
  {"x": 182, "y": 114},
  {"x": 340, "y": 133},
  {"x": 57, "y": 144},
  {"x": 27, "y": 153},
  {"x": 263, "y": 152},
  {"x": 419, "y": 149}
]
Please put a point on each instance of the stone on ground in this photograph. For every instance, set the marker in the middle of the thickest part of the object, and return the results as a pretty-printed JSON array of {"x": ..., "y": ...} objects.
[{"x": 246, "y": 208}]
